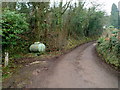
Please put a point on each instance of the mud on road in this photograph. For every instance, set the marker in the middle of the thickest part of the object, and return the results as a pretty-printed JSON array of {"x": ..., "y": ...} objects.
[{"x": 80, "y": 68}]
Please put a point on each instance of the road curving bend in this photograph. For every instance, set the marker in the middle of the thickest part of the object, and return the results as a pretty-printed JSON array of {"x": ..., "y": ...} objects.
[{"x": 80, "y": 68}]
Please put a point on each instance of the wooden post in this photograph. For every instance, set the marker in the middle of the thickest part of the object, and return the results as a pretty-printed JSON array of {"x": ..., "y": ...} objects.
[{"x": 6, "y": 58}]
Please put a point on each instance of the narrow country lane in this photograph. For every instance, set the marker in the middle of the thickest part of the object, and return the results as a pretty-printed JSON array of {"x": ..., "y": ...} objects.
[
  {"x": 81, "y": 68},
  {"x": 53, "y": 44}
]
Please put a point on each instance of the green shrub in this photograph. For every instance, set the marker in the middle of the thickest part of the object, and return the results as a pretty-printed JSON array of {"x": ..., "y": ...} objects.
[
  {"x": 110, "y": 48},
  {"x": 13, "y": 25},
  {"x": 100, "y": 40}
]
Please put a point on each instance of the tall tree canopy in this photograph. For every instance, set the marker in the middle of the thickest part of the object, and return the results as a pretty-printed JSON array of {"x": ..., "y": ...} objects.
[
  {"x": 114, "y": 16},
  {"x": 55, "y": 25}
]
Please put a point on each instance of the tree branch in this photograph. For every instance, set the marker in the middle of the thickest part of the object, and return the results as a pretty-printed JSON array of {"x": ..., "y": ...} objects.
[{"x": 67, "y": 4}]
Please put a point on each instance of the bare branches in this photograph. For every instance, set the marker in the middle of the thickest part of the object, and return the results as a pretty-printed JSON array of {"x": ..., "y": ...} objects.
[{"x": 66, "y": 5}]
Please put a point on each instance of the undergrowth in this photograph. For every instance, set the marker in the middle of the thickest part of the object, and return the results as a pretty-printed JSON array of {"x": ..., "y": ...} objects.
[{"x": 109, "y": 47}]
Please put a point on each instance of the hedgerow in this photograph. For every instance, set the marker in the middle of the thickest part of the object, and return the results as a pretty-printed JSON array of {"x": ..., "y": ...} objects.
[{"x": 109, "y": 47}]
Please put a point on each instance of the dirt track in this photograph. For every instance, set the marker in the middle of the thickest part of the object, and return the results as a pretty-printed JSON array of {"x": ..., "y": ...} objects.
[{"x": 80, "y": 68}]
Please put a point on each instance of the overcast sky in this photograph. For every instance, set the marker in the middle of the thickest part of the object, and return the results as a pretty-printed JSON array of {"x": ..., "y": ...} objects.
[{"x": 106, "y": 4}]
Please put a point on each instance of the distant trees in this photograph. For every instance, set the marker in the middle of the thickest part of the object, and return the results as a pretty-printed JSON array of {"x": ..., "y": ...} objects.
[
  {"x": 114, "y": 16},
  {"x": 95, "y": 23}
]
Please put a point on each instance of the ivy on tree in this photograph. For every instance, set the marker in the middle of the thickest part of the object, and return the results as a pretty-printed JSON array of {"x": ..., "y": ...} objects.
[{"x": 13, "y": 24}]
